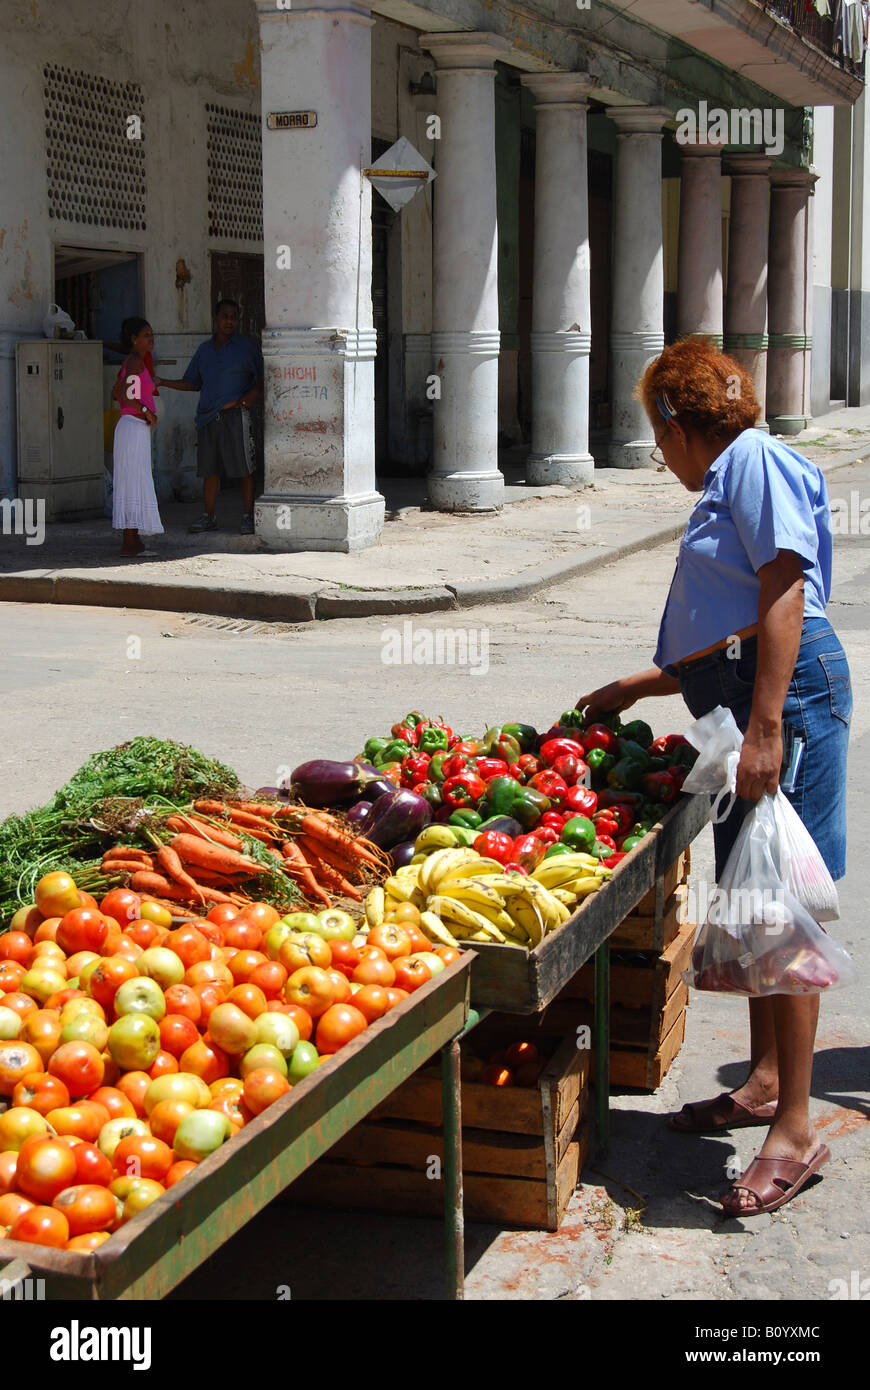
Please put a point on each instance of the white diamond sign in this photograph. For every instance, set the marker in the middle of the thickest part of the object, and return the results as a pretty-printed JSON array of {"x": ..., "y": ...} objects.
[{"x": 400, "y": 173}]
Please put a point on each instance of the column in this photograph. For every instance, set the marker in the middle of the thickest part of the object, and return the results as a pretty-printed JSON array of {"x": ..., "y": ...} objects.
[
  {"x": 746, "y": 294},
  {"x": 699, "y": 261},
  {"x": 789, "y": 301},
  {"x": 561, "y": 310},
  {"x": 637, "y": 334},
  {"x": 465, "y": 336},
  {"x": 319, "y": 343}
]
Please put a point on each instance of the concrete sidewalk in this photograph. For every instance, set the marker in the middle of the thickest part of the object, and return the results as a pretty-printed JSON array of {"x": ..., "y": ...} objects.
[{"x": 425, "y": 561}]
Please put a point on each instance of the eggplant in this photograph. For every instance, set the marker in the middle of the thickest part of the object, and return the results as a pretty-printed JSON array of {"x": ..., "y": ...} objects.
[
  {"x": 358, "y": 814},
  {"x": 270, "y": 792},
  {"x": 506, "y": 824},
  {"x": 397, "y": 816},
  {"x": 402, "y": 854},
  {"x": 325, "y": 783}
]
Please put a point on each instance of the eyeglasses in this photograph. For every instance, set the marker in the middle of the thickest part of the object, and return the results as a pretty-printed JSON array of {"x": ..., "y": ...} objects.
[{"x": 657, "y": 455}]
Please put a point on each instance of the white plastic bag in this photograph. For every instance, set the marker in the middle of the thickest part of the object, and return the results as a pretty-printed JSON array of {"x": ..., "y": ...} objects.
[
  {"x": 56, "y": 318},
  {"x": 795, "y": 859}
]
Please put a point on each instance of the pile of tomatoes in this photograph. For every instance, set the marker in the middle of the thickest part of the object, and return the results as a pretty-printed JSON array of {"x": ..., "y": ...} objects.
[{"x": 130, "y": 1051}]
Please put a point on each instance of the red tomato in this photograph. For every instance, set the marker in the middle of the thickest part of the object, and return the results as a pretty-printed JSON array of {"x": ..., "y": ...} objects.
[
  {"x": 40, "y": 1092},
  {"x": 106, "y": 979},
  {"x": 142, "y": 1156},
  {"x": 243, "y": 934},
  {"x": 79, "y": 1066},
  {"x": 12, "y": 972},
  {"x": 206, "y": 1060},
  {"x": 343, "y": 990},
  {"x": 448, "y": 954},
  {"x": 92, "y": 1166},
  {"x": 345, "y": 957},
  {"x": 392, "y": 939},
  {"x": 374, "y": 969},
  {"x": 163, "y": 1065},
  {"x": 87, "y": 1208},
  {"x": 82, "y": 930},
  {"x": 270, "y": 977},
  {"x": 411, "y": 974},
  {"x": 177, "y": 1033},
  {"x": 15, "y": 945},
  {"x": 373, "y": 1001},
  {"x": 45, "y": 1168},
  {"x": 122, "y": 904},
  {"x": 247, "y": 997},
  {"x": 117, "y": 1104},
  {"x": 21, "y": 1004},
  {"x": 184, "y": 1001},
  {"x": 143, "y": 932},
  {"x": 212, "y": 931},
  {"x": 263, "y": 1086},
  {"x": 8, "y": 1164},
  {"x": 497, "y": 1075},
  {"x": 396, "y": 996},
  {"x": 222, "y": 913},
  {"x": 134, "y": 1084},
  {"x": 12, "y": 1204},
  {"x": 17, "y": 1060},
  {"x": 41, "y": 1226},
  {"x": 178, "y": 1171},
  {"x": 209, "y": 996},
  {"x": 337, "y": 1027},
  {"x": 189, "y": 945},
  {"x": 263, "y": 914}
]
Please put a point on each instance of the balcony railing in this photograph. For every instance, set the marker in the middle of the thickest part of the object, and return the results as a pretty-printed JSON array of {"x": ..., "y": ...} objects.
[{"x": 823, "y": 33}]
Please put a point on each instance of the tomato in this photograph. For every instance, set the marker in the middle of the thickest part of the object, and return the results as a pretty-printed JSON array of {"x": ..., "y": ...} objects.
[
  {"x": 164, "y": 1064},
  {"x": 411, "y": 974},
  {"x": 372, "y": 1001},
  {"x": 374, "y": 970},
  {"x": 55, "y": 894},
  {"x": 26, "y": 919},
  {"x": 47, "y": 930},
  {"x": 84, "y": 1120},
  {"x": 115, "y": 1102},
  {"x": 337, "y": 1027},
  {"x": 41, "y": 1226},
  {"x": 497, "y": 1075},
  {"x": 345, "y": 956},
  {"x": 391, "y": 939},
  {"x": 264, "y": 914},
  {"x": 189, "y": 945},
  {"x": 247, "y": 997},
  {"x": 143, "y": 932},
  {"x": 45, "y": 1168},
  {"x": 341, "y": 983},
  {"x": 8, "y": 1164},
  {"x": 82, "y": 930},
  {"x": 209, "y": 972},
  {"x": 122, "y": 904},
  {"x": 106, "y": 979},
  {"x": 407, "y": 913},
  {"x": 205, "y": 1059},
  {"x": 142, "y": 1156},
  {"x": 42, "y": 1029},
  {"x": 143, "y": 1192},
  {"x": 230, "y": 1107},
  {"x": 21, "y": 1004},
  {"x": 222, "y": 913},
  {"x": 448, "y": 954},
  {"x": 17, "y": 1059},
  {"x": 92, "y": 1166},
  {"x": 15, "y": 945},
  {"x": 179, "y": 1170},
  {"x": 40, "y": 1092},
  {"x": 86, "y": 1244},
  {"x": 12, "y": 1204},
  {"x": 263, "y": 1086},
  {"x": 419, "y": 941},
  {"x": 167, "y": 1116},
  {"x": 301, "y": 1017},
  {"x": 520, "y": 1053},
  {"x": 209, "y": 996},
  {"x": 298, "y": 951},
  {"x": 127, "y": 949},
  {"x": 87, "y": 1208},
  {"x": 243, "y": 934},
  {"x": 184, "y": 1001},
  {"x": 153, "y": 912},
  {"x": 19, "y": 1124},
  {"x": 79, "y": 1066},
  {"x": 12, "y": 972},
  {"x": 77, "y": 963},
  {"x": 270, "y": 977},
  {"x": 177, "y": 1033},
  {"x": 311, "y": 989},
  {"x": 134, "y": 1084}
]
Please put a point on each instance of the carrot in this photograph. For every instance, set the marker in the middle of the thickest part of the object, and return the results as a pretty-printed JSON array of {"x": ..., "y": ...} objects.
[
  {"x": 145, "y": 881},
  {"x": 127, "y": 852},
  {"x": 335, "y": 858},
  {"x": 300, "y": 870},
  {"x": 200, "y": 854},
  {"x": 238, "y": 814},
  {"x": 124, "y": 866},
  {"x": 171, "y": 865},
  {"x": 331, "y": 877},
  {"x": 189, "y": 824},
  {"x": 212, "y": 880},
  {"x": 318, "y": 827}
]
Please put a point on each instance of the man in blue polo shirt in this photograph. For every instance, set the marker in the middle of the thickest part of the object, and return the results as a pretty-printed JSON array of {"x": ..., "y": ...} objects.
[{"x": 227, "y": 371}]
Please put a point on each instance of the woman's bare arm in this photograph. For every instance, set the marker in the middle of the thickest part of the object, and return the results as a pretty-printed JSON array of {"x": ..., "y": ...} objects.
[{"x": 780, "y": 618}]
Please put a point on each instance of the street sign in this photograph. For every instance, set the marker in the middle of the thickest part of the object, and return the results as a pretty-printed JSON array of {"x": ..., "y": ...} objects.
[{"x": 291, "y": 120}]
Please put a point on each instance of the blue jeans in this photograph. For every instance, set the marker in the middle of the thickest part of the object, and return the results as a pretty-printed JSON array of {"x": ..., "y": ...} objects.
[{"x": 818, "y": 708}]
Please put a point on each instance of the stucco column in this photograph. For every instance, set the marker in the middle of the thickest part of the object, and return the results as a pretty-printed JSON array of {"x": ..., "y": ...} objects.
[
  {"x": 561, "y": 310},
  {"x": 319, "y": 343},
  {"x": 789, "y": 303},
  {"x": 699, "y": 262},
  {"x": 746, "y": 293},
  {"x": 465, "y": 336},
  {"x": 637, "y": 334}
]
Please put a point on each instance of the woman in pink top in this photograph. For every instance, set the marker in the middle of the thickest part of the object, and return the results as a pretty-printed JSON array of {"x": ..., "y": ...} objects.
[{"x": 134, "y": 507}]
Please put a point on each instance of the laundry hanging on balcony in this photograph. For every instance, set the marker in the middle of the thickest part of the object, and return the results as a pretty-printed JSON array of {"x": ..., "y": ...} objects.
[
  {"x": 850, "y": 29},
  {"x": 821, "y": 7}
]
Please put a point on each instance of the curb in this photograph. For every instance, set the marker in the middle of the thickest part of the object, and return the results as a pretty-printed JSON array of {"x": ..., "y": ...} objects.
[{"x": 295, "y": 606}]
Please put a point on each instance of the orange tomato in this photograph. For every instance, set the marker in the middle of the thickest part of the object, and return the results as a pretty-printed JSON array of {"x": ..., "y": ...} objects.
[
  {"x": 228, "y": 1106},
  {"x": 8, "y": 1164},
  {"x": 341, "y": 985},
  {"x": 15, "y": 945},
  {"x": 374, "y": 969},
  {"x": 163, "y": 1064},
  {"x": 263, "y": 914},
  {"x": 411, "y": 974},
  {"x": 84, "y": 1120},
  {"x": 134, "y": 1084},
  {"x": 391, "y": 939},
  {"x": 263, "y": 1086},
  {"x": 21, "y": 1004},
  {"x": 497, "y": 1075},
  {"x": 189, "y": 945},
  {"x": 88, "y": 1243},
  {"x": 336, "y": 1028},
  {"x": 17, "y": 1059},
  {"x": 270, "y": 977},
  {"x": 117, "y": 1104},
  {"x": 205, "y": 1059},
  {"x": 82, "y": 930},
  {"x": 143, "y": 932},
  {"x": 47, "y": 930},
  {"x": 87, "y": 1208},
  {"x": 373, "y": 1001},
  {"x": 40, "y": 1092},
  {"x": 79, "y": 1066},
  {"x": 208, "y": 972},
  {"x": 247, "y": 997},
  {"x": 301, "y": 1017},
  {"x": 181, "y": 999},
  {"x": 221, "y": 913},
  {"x": 63, "y": 996},
  {"x": 12, "y": 1204},
  {"x": 177, "y": 1033},
  {"x": 45, "y": 1168},
  {"x": 106, "y": 979},
  {"x": 178, "y": 1171},
  {"x": 209, "y": 996},
  {"x": 244, "y": 963},
  {"x": 448, "y": 954},
  {"x": 166, "y": 1117},
  {"x": 12, "y": 972},
  {"x": 142, "y": 1156},
  {"x": 122, "y": 904},
  {"x": 396, "y": 996},
  {"x": 41, "y": 1225},
  {"x": 243, "y": 934},
  {"x": 42, "y": 1029}
]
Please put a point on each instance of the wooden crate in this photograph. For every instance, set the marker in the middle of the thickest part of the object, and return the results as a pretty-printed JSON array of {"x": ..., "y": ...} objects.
[
  {"x": 643, "y": 1068},
  {"x": 638, "y": 978},
  {"x": 522, "y": 1147},
  {"x": 637, "y": 931}
]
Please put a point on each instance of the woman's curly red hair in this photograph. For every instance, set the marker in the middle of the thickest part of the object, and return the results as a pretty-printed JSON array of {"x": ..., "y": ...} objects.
[{"x": 706, "y": 390}]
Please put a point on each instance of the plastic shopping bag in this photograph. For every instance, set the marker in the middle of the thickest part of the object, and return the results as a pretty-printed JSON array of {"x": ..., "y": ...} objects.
[
  {"x": 57, "y": 318},
  {"x": 759, "y": 938},
  {"x": 796, "y": 861}
]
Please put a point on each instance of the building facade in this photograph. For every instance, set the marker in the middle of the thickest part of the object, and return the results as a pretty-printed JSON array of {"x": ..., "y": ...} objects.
[{"x": 607, "y": 177}]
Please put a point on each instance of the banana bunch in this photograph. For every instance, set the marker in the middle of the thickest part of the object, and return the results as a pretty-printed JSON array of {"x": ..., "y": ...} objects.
[{"x": 571, "y": 876}]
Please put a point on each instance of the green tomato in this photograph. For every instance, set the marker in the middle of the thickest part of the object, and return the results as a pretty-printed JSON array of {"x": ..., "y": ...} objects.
[
  {"x": 335, "y": 925},
  {"x": 302, "y": 922},
  {"x": 305, "y": 1059},
  {"x": 262, "y": 1054}
]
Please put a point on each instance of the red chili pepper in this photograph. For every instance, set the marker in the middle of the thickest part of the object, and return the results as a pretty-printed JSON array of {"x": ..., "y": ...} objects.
[
  {"x": 599, "y": 736},
  {"x": 494, "y": 844},
  {"x": 581, "y": 801},
  {"x": 528, "y": 851},
  {"x": 529, "y": 764},
  {"x": 466, "y": 789},
  {"x": 558, "y": 748},
  {"x": 415, "y": 768},
  {"x": 551, "y": 784},
  {"x": 487, "y": 768}
]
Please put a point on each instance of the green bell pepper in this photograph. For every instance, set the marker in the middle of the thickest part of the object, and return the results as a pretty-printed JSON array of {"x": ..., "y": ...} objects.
[
  {"x": 431, "y": 792},
  {"x": 555, "y": 850},
  {"x": 395, "y": 750},
  {"x": 626, "y": 773},
  {"x": 638, "y": 731},
  {"x": 465, "y": 837},
  {"x": 571, "y": 719},
  {"x": 579, "y": 834},
  {"x": 373, "y": 746},
  {"x": 498, "y": 743},
  {"x": 630, "y": 841},
  {"x": 465, "y": 817},
  {"x": 599, "y": 764},
  {"x": 525, "y": 735},
  {"x": 436, "y": 765},
  {"x": 528, "y": 806},
  {"x": 500, "y": 795},
  {"x": 433, "y": 740}
]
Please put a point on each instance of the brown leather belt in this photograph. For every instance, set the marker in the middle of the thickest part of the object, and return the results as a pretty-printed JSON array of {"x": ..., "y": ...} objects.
[{"x": 719, "y": 646}]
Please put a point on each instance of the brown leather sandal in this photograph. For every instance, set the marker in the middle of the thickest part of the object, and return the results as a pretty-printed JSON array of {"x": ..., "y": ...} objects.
[
  {"x": 773, "y": 1182},
  {"x": 711, "y": 1116}
]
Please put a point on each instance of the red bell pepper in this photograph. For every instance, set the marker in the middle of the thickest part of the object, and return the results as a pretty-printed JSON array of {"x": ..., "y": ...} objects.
[
  {"x": 516, "y": 772},
  {"x": 551, "y": 784},
  {"x": 455, "y": 763},
  {"x": 466, "y": 789},
  {"x": 665, "y": 745},
  {"x": 606, "y": 823},
  {"x": 529, "y": 765},
  {"x": 528, "y": 851},
  {"x": 614, "y": 859},
  {"x": 599, "y": 736},
  {"x": 494, "y": 844},
  {"x": 487, "y": 768},
  {"x": 547, "y": 834},
  {"x": 581, "y": 801},
  {"x": 624, "y": 815},
  {"x": 469, "y": 746},
  {"x": 551, "y": 820},
  {"x": 415, "y": 768},
  {"x": 605, "y": 840},
  {"x": 662, "y": 787},
  {"x": 570, "y": 768},
  {"x": 558, "y": 748}
]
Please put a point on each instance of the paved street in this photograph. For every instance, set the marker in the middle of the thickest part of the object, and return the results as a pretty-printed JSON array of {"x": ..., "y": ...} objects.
[{"x": 77, "y": 679}]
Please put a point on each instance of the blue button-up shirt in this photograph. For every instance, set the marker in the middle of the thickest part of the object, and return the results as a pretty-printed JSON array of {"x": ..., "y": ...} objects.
[
  {"x": 222, "y": 375},
  {"x": 759, "y": 497}
]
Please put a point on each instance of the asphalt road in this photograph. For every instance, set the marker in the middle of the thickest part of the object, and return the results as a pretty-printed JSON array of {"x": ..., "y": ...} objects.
[{"x": 262, "y": 697}]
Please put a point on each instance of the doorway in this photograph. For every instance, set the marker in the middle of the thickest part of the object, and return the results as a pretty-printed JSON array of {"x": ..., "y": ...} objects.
[
  {"x": 241, "y": 277},
  {"x": 98, "y": 289}
]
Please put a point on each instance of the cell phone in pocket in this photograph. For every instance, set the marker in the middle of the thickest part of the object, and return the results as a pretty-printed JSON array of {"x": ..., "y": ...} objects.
[{"x": 793, "y": 746}]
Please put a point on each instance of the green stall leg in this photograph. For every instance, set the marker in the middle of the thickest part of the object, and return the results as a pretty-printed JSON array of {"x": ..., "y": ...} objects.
[
  {"x": 602, "y": 1049},
  {"x": 451, "y": 1101}
]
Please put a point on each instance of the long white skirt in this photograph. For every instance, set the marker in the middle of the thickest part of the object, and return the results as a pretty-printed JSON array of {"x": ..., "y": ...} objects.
[{"x": 134, "y": 501}]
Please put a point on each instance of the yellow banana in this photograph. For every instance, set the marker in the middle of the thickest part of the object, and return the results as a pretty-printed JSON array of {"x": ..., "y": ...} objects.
[
  {"x": 477, "y": 868},
  {"x": 434, "y": 837},
  {"x": 456, "y": 911},
  {"x": 561, "y": 871},
  {"x": 374, "y": 907},
  {"x": 525, "y": 913},
  {"x": 438, "y": 864},
  {"x": 577, "y": 861},
  {"x": 581, "y": 887},
  {"x": 564, "y": 896},
  {"x": 434, "y": 927},
  {"x": 471, "y": 889}
]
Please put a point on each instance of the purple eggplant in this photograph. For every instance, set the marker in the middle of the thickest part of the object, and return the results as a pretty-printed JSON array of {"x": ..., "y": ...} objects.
[
  {"x": 402, "y": 854},
  {"x": 506, "y": 824},
  {"x": 270, "y": 792},
  {"x": 359, "y": 814},
  {"x": 397, "y": 816},
  {"x": 325, "y": 783}
]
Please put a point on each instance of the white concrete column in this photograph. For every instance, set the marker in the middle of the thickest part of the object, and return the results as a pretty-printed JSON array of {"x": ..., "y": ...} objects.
[
  {"x": 789, "y": 301},
  {"x": 699, "y": 272},
  {"x": 561, "y": 309},
  {"x": 746, "y": 294},
  {"x": 319, "y": 343},
  {"x": 465, "y": 336},
  {"x": 637, "y": 334}
]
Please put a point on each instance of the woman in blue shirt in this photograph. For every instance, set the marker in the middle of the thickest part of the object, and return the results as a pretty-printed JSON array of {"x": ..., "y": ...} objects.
[{"x": 744, "y": 626}]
